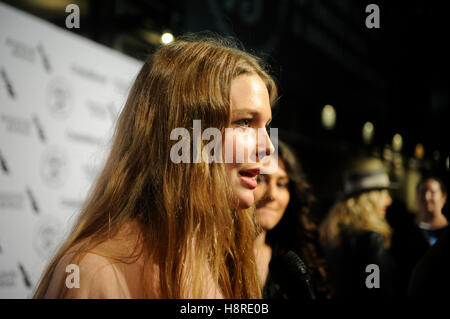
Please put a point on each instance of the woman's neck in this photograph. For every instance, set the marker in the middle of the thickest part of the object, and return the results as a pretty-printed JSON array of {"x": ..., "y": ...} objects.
[
  {"x": 263, "y": 254},
  {"x": 260, "y": 241}
]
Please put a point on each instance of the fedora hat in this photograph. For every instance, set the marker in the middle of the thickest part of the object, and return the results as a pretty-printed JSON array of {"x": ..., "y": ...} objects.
[{"x": 364, "y": 175}]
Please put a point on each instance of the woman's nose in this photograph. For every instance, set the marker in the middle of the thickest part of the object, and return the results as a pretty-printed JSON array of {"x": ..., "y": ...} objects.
[
  {"x": 265, "y": 145},
  {"x": 389, "y": 200},
  {"x": 270, "y": 192}
]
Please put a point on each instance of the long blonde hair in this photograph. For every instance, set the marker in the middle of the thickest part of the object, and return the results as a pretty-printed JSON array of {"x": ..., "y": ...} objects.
[
  {"x": 182, "y": 232},
  {"x": 357, "y": 213}
]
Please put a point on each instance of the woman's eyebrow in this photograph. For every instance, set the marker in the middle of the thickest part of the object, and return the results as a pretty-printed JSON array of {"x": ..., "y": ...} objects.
[
  {"x": 242, "y": 112},
  {"x": 251, "y": 112},
  {"x": 258, "y": 114}
]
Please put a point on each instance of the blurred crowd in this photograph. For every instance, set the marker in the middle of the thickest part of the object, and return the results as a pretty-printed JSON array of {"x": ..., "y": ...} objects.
[{"x": 369, "y": 245}]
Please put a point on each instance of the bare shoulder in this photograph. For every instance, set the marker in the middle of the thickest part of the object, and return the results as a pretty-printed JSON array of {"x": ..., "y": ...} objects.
[
  {"x": 112, "y": 269},
  {"x": 92, "y": 276},
  {"x": 96, "y": 277}
]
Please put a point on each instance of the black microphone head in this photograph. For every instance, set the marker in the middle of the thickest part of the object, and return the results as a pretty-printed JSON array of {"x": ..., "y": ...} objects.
[
  {"x": 292, "y": 274},
  {"x": 292, "y": 263}
]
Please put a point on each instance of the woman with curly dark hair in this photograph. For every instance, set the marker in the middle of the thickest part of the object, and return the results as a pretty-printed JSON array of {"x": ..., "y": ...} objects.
[{"x": 288, "y": 235}]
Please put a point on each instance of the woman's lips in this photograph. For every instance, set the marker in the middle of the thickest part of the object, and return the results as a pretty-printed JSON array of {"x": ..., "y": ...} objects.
[
  {"x": 249, "y": 177},
  {"x": 265, "y": 209},
  {"x": 249, "y": 181}
]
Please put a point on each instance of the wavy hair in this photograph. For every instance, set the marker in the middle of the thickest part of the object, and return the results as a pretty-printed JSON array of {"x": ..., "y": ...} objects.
[
  {"x": 358, "y": 213},
  {"x": 297, "y": 231},
  {"x": 182, "y": 233}
]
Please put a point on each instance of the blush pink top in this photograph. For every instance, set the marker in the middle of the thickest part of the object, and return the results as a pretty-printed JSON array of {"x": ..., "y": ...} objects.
[{"x": 102, "y": 277}]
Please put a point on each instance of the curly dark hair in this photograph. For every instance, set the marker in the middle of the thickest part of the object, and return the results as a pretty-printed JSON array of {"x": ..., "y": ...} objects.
[{"x": 297, "y": 231}]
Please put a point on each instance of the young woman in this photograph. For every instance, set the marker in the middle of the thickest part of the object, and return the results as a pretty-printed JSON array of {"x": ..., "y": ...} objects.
[
  {"x": 283, "y": 201},
  {"x": 355, "y": 234},
  {"x": 154, "y": 227}
]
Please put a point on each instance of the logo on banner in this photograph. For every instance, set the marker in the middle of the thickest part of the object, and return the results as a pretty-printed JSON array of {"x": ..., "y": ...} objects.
[
  {"x": 46, "y": 236},
  {"x": 97, "y": 109},
  {"x": 7, "y": 83},
  {"x": 59, "y": 98},
  {"x": 3, "y": 164},
  {"x": 10, "y": 201},
  {"x": 54, "y": 166},
  {"x": 16, "y": 124},
  {"x": 85, "y": 138},
  {"x": 32, "y": 200},
  {"x": 37, "y": 123},
  {"x": 8, "y": 278},
  {"x": 21, "y": 50},
  {"x": 25, "y": 276},
  {"x": 44, "y": 58}
]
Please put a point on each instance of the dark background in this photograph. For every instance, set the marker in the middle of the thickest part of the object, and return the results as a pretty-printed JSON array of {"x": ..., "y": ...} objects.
[{"x": 321, "y": 52}]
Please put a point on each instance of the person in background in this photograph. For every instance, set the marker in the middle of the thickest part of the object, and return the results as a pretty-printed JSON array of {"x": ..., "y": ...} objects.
[
  {"x": 429, "y": 278},
  {"x": 155, "y": 227},
  {"x": 408, "y": 244},
  {"x": 431, "y": 198},
  {"x": 414, "y": 234},
  {"x": 283, "y": 201},
  {"x": 355, "y": 233}
]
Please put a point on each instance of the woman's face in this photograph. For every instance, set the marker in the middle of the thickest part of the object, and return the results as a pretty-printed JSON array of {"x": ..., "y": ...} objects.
[
  {"x": 386, "y": 201},
  {"x": 250, "y": 110},
  {"x": 430, "y": 197},
  {"x": 272, "y": 197}
]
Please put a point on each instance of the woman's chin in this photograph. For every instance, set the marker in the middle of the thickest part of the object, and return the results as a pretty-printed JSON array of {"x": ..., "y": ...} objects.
[
  {"x": 266, "y": 224},
  {"x": 244, "y": 199}
]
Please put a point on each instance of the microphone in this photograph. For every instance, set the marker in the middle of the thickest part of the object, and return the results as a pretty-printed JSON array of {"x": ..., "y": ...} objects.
[{"x": 293, "y": 276}]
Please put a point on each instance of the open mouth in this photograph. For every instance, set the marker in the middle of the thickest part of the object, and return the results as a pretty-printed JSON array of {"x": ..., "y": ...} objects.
[
  {"x": 249, "y": 177},
  {"x": 252, "y": 173}
]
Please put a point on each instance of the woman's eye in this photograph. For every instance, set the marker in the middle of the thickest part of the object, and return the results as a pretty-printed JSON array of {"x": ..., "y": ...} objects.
[
  {"x": 244, "y": 122},
  {"x": 282, "y": 185}
]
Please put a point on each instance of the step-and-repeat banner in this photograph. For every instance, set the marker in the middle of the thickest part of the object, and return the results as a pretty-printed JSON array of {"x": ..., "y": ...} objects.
[{"x": 60, "y": 95}]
